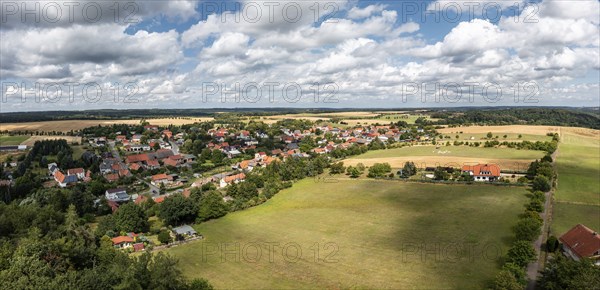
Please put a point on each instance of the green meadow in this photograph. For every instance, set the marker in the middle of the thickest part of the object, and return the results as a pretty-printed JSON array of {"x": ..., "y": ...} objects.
[{"x": 359, "y": 234}]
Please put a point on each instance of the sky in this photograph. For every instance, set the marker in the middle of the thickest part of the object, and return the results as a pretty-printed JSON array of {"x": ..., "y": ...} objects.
[{"x": 83, "y": 55}]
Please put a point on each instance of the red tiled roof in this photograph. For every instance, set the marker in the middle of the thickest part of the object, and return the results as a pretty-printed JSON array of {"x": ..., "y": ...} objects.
[
  {"x": 124, "y": 172},
  {"x": 140, "y": 199},
  {"x": 134, "y": 166},
  {"x": 112, "y": 177},
  {"x": 582, "y": 241},
  {"x": 153, "y": 163},
  {"x": 59, "y": 176},
  {"x": 137, "y": 158},
  {"x": 138, "y": 247},
  {"x": 122, "y": 239},
  {"x": 160, "y": 199},
  {"x": 232, "y": 178},
  {"x": 161, "y": 176},
  {"x": 74, "y": 171},
  {"x": 170, "y": 162},
  {"x": 493, "y": 169}
]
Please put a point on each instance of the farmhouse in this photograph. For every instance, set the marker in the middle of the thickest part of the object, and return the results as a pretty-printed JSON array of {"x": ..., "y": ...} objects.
[
  {"x": 79, "y": 172},
  {"x": 122, "y": 242},
  {"x": 162, "y": 178},
  {"x": 64, "y": 180},
  {"x": 227, "y": 180},
  {"x": 482, "y": 172},
  {"x": 581, "y": 242}
]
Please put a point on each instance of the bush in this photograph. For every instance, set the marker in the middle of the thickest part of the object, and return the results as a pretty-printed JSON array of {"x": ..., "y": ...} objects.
[
  {"x": 521, "y": 253},
  {"x": 541, "y": 183},
  {"x": 379, "y": 170},
  {"x": 527, "y": 229},
  {"x": 164, "y": 237},
  {"x": 535, "y": 205},
  {"x": 552, "y": 244}
]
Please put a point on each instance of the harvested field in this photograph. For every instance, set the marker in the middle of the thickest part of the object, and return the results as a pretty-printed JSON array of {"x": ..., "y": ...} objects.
[
  {"x": 70, "y": 139},
  {"x": 68, "y": 125},
  {"x": 445, "y": 161}
]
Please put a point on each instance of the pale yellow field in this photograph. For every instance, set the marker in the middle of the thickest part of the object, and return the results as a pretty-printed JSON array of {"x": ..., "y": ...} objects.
[
  {"x": 70, "y": 139},
  {"x": 514, "y": 129},
  {"x": 68, "y": 125},
  {"x": 445, "y": 161}
]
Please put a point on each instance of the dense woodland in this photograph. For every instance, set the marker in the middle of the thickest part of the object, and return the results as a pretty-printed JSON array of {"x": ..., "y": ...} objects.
[{"x": 577, "y": 117}]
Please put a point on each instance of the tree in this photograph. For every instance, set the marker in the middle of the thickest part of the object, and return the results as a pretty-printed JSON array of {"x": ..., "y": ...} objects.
[
  {"x": 337, "y": 168},
  {"x": 379, "y": 170},
  {"x": 564, "y": 273},
  {"x": 353, "y": 171},
  {"x": 409, "y": 169},
  {"x": 489, "y": 135},
  {"x": 131, "y": 218},
  {"x": 505, "y": 280},
  {"x": 177, "y": 209},
  {"x": 535, "y": 205},
  {"x": 541, "y": 183},
  {"x": 440, "y": 174},
  {"x": 164, "y": 237},
  {"x": 521, "y": 253},
  {"x": 211, "y": 206},
  {"x": 527, "y": 229}
]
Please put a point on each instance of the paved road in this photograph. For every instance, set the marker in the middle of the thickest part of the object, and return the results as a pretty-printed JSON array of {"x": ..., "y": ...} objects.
[{"x": 174, "y": 147}]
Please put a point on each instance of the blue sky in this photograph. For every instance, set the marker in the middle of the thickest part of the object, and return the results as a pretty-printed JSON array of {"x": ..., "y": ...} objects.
[{"x": 187, "y": 54}]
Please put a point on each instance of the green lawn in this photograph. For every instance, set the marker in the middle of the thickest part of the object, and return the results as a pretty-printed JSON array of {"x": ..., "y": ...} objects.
[
  {"x": 568, "y": 215},
  {"x": 578, "y": 167},
  {"x": 460, "y": 151},
  {"x": 367, "y": 234},
  {"x": 12, "y": 140}
]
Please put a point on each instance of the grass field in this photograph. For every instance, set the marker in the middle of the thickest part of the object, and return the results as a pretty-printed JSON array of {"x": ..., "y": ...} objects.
[
  {"x": 69, "y": 125},
  {"x": 566, "y": 215},
  {"x": 453, "y": 156},
  {"x": 501, "y": 130},
  {"x": 510, "y": 137},
  {"x": 368, "y": 235},
  {"x": 12, "y": 140},
  {"x": 70, "y": 139},
  {"x": 577, "y": 198}
]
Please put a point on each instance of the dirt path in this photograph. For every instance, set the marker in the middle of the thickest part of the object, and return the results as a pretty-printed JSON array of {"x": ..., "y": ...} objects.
[{"x": 533, "y": 269}]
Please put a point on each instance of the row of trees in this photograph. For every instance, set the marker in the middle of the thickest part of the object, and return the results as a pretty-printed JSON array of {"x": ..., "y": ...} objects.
[{"x": 528, "y": 228}]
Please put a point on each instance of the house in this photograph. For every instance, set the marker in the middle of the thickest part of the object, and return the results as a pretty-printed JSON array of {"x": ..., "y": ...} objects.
[
  {"x": 227, "y": 180},
  {"x": 79, "y": 172},
  {"x": 52, "y": 167},
  {"x": 185, "y": 231},
  {"x": 64, "y": 180},
  {"x": 137, "y": 138},
  {"x": 482, "y": 172},
  {"x": 151, "y": 128},
  {"x": 122, "y": 242},
  {"x": 162, "y": 178},
  {"x": 137, "y": 158},
  {"x": 117, "y": 195},
  {"x": 152, "y": 164},
  {"x": 170, "y": 162},
  {"x": 111, "y": 177},
  {"x": 581, "y": 242},
  {"x": 167, "y": 133}
]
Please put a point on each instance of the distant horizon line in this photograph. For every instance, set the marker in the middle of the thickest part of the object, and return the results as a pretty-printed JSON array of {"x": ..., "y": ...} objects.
[{"x": 309, "y": 108}]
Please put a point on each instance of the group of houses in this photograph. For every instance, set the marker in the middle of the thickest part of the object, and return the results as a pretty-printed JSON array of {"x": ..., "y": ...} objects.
[{"x": 71, "y": 177}]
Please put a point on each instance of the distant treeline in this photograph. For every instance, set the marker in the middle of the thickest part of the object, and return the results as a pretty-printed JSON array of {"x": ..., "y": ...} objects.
[
  {"x": 511, "y": 116},
  {"x": 557, "y": 116}
]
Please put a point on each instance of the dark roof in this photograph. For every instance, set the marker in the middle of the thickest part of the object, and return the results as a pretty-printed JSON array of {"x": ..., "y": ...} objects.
[
  {"x": 115, "y": 190},
  {"x": 582, "y": 241}
]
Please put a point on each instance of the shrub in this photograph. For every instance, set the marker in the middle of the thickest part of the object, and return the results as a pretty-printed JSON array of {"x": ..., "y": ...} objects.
[
  {"x": 552, "y": 244},
  {"x": 527, "y": 229},
  {"x": 521, "y": 253},
  {"x": 164, "y": 237}
]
